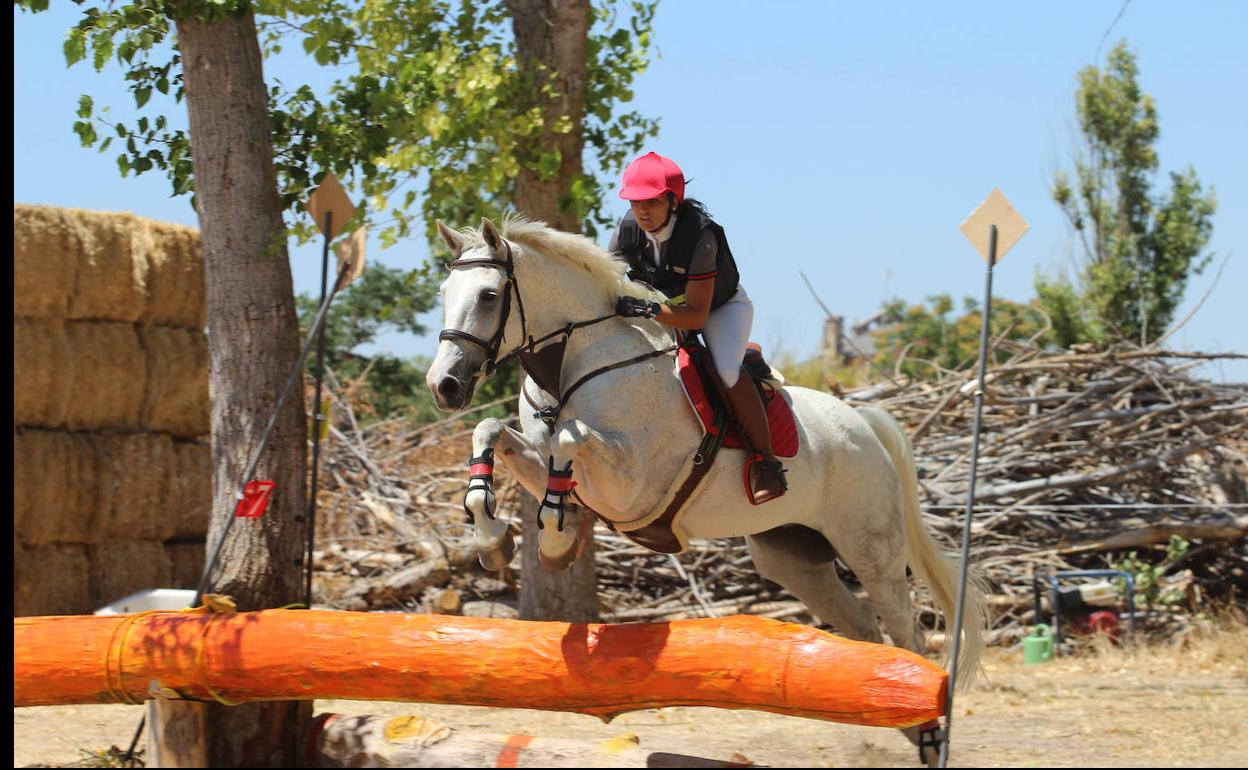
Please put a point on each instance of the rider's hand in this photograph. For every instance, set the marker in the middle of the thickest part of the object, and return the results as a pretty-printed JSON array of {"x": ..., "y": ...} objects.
[{"x": 632, "y": 307}]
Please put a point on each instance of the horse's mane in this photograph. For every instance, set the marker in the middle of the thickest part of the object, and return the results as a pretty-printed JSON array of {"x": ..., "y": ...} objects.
[{"x": 576, "y": 250}]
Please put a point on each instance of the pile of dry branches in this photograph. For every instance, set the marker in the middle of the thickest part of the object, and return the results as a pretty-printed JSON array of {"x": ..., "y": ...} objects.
[{"x": 1084, "y": 458}]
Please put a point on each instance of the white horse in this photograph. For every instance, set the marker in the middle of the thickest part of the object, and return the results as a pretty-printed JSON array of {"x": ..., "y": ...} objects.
[{"x": 626, "y": 433}]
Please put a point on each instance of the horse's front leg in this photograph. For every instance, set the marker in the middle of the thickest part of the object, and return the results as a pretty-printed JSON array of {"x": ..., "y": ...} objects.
[
  {"x": 491, "y": 535},
  {"x": 561, "y": 542}
]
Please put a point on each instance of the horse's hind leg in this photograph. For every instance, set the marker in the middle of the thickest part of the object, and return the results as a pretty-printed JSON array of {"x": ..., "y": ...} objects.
[
  {"x": 878, "y": 558},
  {"x": 801, "y": 560}
]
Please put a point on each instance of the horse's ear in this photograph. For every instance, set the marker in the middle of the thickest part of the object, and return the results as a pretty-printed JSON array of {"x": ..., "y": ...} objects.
[
  {"x": 454, "y": 241},
  {"x": 491, "y": 236}
]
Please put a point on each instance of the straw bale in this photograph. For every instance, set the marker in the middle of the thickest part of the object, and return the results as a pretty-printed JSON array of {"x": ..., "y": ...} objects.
[
  {"x": 190, "y": 494},
  {"x": 136, "y": 485},
  {"x": 112, "y": 266},
  {"x": 175, "y": 277},
  {"x": 176, "y": 401},
  {"x": 41, "y": 377},
  {"x": 108, "y": 374},
  {"x": 45, "y": 262},
  {"x": 119, "y": 568},
  {"x": 55, "y": 478},
  {"x": 187, "y": 560},
  {"x": 51, "y": 580}
]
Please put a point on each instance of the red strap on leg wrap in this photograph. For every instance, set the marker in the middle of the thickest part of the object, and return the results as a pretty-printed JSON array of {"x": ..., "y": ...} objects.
[
  {"x": 481, "y": 469},
  {"x": 559, "y": 484}
]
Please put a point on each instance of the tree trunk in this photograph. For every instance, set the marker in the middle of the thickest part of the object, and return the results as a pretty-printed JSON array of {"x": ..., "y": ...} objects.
[
  {"x": 552, "y": 38},
  {"x": 552, "y": 43},
  {"x": 253, "y": 343}
]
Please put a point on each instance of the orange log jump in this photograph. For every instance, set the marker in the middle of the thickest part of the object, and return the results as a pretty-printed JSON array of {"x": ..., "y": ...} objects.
[{"x": 602, "y": 669}]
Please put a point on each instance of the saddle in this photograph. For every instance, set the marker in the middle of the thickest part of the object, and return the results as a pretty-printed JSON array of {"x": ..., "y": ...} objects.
[
  {"x": 693, "y": 361},
  {"x": 696, "y": 369}
]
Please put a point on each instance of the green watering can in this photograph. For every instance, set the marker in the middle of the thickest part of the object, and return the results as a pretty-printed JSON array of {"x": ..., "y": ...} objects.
[{"x": 1038, "y": 647}]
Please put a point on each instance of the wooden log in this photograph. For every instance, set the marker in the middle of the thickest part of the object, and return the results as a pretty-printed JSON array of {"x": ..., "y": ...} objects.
[
  {"x": 1229, "y": 528},
  {"x": 177, "y": 733},
  {"x": 600, "y": 669},
  {"x": 415, "y": 741}
]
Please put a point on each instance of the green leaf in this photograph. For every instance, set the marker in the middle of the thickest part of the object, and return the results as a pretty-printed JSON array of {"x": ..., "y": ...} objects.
[
  {"x": 75, "y": 47},
  {"x": 141, "y": 95}
]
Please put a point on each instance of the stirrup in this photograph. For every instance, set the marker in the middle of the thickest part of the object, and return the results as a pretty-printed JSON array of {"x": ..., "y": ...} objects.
[{"x": 773, "y": 482}]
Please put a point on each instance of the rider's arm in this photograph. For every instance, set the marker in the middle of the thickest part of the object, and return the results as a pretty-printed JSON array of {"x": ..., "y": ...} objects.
[
  {"x": 699, "y": 287},
  {"x": 691, "y": 315}
]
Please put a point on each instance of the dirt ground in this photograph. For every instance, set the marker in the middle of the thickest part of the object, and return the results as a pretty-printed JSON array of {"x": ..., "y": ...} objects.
[{"x": 1165, "y": 706}]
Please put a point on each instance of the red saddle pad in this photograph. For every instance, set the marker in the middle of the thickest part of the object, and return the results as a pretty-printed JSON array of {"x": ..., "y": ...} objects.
[{"x": 779, "y": 413}]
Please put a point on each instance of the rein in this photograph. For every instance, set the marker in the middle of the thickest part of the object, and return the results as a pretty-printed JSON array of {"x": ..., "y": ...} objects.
[{"x": 549, "y": 415}]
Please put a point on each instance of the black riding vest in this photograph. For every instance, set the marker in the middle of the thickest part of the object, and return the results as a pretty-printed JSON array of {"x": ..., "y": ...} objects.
[{"x": 671, "y": 276}]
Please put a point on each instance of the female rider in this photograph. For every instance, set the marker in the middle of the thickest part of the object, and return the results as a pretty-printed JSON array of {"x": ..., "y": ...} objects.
[{"x": 672, "y": 244}]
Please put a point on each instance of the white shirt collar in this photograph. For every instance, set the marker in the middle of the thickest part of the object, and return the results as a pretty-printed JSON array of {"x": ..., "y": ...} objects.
[{"x": 661, "y": 237}]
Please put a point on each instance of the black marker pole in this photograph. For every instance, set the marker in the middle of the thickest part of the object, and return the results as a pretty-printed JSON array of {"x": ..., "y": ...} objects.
[
  {"x": 970, "y": 497},
  {"x": 317, "y": 417}
]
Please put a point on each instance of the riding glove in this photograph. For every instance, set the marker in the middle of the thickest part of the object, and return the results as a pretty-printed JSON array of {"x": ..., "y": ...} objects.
[{"x": 632, "y": 307}]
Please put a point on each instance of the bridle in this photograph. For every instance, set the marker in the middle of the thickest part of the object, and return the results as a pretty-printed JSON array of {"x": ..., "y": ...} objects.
[
  {"x": 491, "y": 347},
  {"x": 527, "y": 349}
]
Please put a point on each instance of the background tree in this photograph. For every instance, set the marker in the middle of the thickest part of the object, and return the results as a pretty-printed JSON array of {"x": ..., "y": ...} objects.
[
  {"x": 1139, "y": 249},
  {"x": 552, "y": 46},
  {"x": 442, "y": 99},
  {"x": 929, "y": 340},
  {"x": 434, "y": 90}
]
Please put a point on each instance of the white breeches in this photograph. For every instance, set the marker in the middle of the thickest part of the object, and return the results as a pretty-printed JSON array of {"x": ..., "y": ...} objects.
[{"x": 727, "y": 330}]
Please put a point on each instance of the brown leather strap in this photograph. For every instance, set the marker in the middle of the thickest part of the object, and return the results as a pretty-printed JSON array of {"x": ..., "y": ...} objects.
[{"x": 658, "y": 534}]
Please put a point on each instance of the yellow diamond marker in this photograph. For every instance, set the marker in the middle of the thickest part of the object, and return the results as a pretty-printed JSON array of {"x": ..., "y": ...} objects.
[
  {"x": 351, "y": 252},
  {"x": 995, "y": 210},
  {"x": 332, "y": 198}
]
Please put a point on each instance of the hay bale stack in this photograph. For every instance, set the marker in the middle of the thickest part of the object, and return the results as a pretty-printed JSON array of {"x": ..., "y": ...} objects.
[
  {"x": 111, "y": 282},
  {"x": 187, "y": 563},
  {"x": 51, "y": 580},
  {"x": 176, "y": 397},
  {"x": 190, "y": 492},
  {"x": 41, "y": 366},
  {"x": 119, "y": 568},
  {"x": 45, "y": 262},
  {"x": 108, "y": 376},
  {"x": 136, "y": 476},
  {"x": 56, "y": 476},
  {"x": 112, "y": 481},
  {"x": 175, "y": 278}
]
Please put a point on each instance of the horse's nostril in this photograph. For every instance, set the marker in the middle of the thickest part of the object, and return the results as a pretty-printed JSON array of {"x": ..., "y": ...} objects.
[{"x": 449, "y": 387}]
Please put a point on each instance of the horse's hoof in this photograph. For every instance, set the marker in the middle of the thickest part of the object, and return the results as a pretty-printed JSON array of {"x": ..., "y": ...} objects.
[
  {"x": 562, "y": 561},
  {"x": 495, "y": 559},
  {"x": 929, "y": 754}
]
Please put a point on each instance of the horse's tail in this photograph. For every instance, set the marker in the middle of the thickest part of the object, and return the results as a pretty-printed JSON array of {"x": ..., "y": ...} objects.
[{"x": 926, "y": 559}]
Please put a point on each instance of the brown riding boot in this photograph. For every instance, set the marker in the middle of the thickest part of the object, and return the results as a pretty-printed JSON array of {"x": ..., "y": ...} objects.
[{"x": 766, "y": 474}]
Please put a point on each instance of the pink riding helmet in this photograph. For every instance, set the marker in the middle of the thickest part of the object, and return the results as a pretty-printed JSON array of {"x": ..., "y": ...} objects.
[{"x": 650, "y": 176}]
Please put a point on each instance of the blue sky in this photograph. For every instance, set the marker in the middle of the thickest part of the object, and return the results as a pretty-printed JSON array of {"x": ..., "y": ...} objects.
[{"x": 846, "y": 141}]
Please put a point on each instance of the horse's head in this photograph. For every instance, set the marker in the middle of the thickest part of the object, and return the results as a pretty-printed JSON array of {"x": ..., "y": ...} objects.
[{"x": 478, "y": 302}]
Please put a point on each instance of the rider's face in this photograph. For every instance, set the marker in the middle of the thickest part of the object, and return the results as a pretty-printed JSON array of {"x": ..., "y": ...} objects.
[{"x": 652, "y": 214}]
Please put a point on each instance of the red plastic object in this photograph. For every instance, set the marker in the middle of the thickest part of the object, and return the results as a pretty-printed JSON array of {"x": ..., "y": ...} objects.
[
  {"x": 1103, "y": 622},
  {"x": 255, "y": 499}
]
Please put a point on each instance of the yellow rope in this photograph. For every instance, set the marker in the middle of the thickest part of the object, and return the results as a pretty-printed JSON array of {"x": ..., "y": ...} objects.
[
  {"x": 203, "y": 670},
  {"x": 116, "y": 651}
]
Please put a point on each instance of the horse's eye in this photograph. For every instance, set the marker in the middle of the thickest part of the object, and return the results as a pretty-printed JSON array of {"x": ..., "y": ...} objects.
[{"x": 487, "y": 295}]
